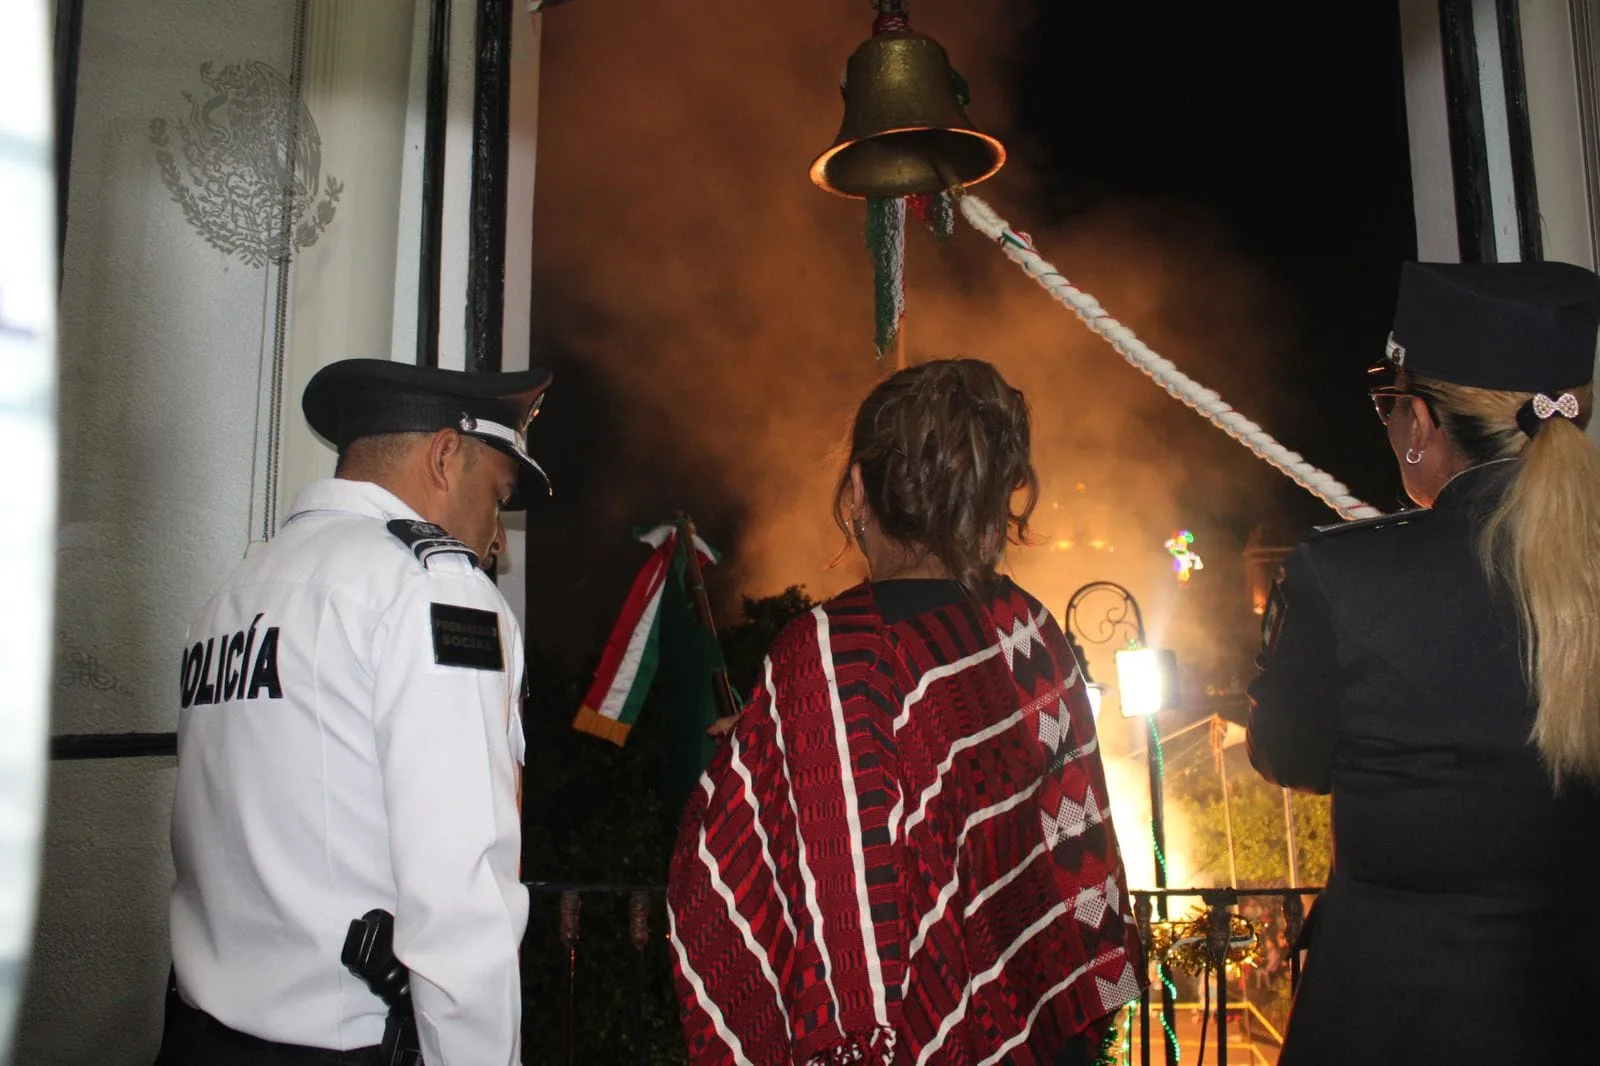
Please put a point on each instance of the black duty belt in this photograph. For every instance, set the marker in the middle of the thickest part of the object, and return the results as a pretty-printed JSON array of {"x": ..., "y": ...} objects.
[{"x": 192, "y": 1037}]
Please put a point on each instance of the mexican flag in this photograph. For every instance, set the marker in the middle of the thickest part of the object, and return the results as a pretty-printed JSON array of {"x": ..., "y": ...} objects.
[{"x": 632, "y": 654}]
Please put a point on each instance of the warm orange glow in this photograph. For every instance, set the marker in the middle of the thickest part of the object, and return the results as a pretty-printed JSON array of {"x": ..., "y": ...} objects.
[
  {"x": 819, "y": 167},
  {"x": 727, "y": 330}
]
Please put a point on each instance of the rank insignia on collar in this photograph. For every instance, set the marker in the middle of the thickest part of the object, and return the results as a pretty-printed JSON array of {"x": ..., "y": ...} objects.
[{"x": 427, "y": 540}]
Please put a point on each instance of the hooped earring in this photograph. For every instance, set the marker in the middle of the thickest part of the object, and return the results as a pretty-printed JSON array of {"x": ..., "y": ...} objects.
[{"x": 1413, "y": 456}]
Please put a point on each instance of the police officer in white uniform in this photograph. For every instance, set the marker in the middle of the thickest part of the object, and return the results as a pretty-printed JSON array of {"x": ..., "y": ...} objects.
[{"x": 350, "y": 739}]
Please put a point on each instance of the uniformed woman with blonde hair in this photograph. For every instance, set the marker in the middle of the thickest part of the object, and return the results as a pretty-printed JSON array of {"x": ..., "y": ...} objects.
[{"x": 1438, "y": 671}]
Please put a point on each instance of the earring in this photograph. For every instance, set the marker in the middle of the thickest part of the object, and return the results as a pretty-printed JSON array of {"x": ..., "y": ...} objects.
[
  {"x": 858, "y": 524},
  {"x": 1413, "y": 456}
]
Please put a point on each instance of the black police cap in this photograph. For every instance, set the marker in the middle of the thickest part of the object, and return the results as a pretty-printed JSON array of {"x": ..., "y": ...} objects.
[
  {"x": 357, "y": 398},
  {"x": 1513, "y": 327}
]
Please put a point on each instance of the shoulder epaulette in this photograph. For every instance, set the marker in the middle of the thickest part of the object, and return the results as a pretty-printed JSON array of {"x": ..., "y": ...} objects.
[
  {"x": 427, "y": 540},
  {"x": 1382, "y": 521}
]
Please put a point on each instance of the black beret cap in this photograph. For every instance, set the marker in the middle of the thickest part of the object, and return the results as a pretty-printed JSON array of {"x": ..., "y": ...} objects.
[
  {"x": 355, "y": 398},
  {"x": 1513, "y": 327}
]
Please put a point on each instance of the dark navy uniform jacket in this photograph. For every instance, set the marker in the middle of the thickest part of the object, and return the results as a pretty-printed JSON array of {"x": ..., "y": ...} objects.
[{"x": 1455, "y": 928}]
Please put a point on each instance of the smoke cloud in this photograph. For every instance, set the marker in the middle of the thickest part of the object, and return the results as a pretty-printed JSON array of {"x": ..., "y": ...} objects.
[{"x": 708, "y": 313}]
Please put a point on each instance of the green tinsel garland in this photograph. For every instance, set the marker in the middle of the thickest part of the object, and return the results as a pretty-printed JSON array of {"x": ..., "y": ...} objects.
[
  {"x": 937, "y": 212},
  {"x": 1111, "y": 1045},
  {"x": 886, "y": 238}
]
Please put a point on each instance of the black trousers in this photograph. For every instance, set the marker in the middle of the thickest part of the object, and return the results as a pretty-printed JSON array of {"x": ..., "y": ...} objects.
[{"x": 192, "y": 1037}]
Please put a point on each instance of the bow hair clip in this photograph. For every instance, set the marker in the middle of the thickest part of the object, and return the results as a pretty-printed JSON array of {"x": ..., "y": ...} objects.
[
  {"x": 1532, "y": 416},
  {"x": 1544, "y": 407}
]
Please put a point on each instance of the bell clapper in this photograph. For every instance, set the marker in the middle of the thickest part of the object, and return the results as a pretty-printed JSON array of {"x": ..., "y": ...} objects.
[{"x": 953, "y": 186}]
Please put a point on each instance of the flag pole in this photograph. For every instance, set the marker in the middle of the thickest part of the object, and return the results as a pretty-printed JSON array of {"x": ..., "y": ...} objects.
[{"x": 727, "y": 706}]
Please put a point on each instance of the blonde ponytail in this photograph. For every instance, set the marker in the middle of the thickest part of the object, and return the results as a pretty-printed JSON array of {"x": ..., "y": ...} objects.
[
  {"x": 1542, "y": 542},
  {"x": 1546, "y": 532}
]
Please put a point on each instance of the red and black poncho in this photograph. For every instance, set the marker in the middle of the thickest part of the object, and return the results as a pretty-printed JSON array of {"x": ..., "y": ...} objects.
[{"x": 904, "y": 853}]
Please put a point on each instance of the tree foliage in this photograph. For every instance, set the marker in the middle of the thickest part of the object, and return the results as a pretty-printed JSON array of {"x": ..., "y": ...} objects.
[{"x": 1255, "y": 812}]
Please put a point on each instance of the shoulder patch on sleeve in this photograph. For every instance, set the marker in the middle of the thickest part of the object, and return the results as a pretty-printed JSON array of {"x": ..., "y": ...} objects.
[
  {"x": 1382, "y": 521},
  {"x": 466, "y": 636},
  {"x": 1272, "y": 618},
  {"x": 427, "y": 540}
]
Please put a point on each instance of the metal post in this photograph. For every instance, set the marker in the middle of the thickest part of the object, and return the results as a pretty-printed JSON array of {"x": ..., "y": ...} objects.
[
  {"x": 571, "y": 904},
  {"x": 1141, "y": 911},
  {"x": 1221, "y": 933},
  {"x": 432, "y": 236},
  {"x": 491, "y": 145},
  {"x": 1294, "y": 917},
  {"x": 1227, "y": 808},
  {"x": 639, "y": 933},
  {"x": 1124, "y": 621},
  {"x": 1288, "y": 836},
  {"x": 1158, "y": 827},
  {"x": 1158, "y": 832},
  {"x": 1144, "y": 1028}
]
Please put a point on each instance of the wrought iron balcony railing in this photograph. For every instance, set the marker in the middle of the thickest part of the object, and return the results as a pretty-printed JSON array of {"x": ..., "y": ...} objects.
[{"x": 1243, "y": 935}]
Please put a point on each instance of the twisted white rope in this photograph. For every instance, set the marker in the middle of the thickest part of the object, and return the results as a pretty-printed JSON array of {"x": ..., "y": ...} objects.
[{"x": 1019, "y": 249}]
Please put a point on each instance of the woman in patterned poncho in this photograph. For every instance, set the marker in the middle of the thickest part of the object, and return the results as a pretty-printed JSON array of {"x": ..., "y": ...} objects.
[{"x": 904, "y": 851}]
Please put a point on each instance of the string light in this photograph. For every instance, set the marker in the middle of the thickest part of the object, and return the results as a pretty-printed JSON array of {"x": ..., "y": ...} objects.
[
  {"x": 1184, "y": 561},
  {"x": 1116, "y": 1049},
  {"x": 1169, "y": 989},
  {"x": 1112, "y": 1050}
]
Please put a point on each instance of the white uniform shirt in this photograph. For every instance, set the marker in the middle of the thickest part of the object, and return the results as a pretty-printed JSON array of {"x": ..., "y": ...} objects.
[{"x": 328, "y": 765}]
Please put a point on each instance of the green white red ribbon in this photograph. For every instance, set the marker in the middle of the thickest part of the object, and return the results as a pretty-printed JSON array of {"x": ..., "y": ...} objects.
[{"x": 632, "y": 652}]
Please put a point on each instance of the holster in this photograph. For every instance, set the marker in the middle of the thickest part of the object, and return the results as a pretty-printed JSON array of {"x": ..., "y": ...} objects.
[
  {"x": 400, "y": 1045},
  {"x": 369, "y": 954}
]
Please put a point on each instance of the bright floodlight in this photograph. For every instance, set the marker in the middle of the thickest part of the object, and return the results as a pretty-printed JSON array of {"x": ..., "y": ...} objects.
[
  {"x": 1147, "y": 679},
  {"x": 1096, "y": 695}
]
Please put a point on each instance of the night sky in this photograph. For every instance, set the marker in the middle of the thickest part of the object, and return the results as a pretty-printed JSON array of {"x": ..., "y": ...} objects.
[
  {"x": 1235, "y": 188},
  {"x": 1290, "y": 133}
]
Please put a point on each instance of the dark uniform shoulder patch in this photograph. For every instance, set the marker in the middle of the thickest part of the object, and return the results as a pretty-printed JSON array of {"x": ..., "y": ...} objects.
[
  {"x": 1382, "y": 521},
  {"x": 466, "y": 636},
  {"x": 1272, "y": 617},
  {"x": 427, "y": 540}
]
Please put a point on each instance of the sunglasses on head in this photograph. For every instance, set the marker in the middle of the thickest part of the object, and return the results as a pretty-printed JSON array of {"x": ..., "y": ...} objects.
[{"x": 1386, "y": 398}]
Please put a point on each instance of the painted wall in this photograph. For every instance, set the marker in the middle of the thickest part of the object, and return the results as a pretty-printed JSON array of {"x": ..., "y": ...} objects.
[
  {"x": 162, "y": 342},
  {"x": 183, "y": 352}
]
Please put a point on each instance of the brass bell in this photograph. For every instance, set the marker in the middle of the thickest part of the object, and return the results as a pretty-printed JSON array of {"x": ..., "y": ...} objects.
[{"x": 904, "y": 128}]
